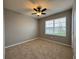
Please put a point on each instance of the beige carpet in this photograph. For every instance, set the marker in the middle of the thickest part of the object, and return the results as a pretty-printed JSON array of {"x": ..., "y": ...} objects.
[{"x": 38, "y": 49}]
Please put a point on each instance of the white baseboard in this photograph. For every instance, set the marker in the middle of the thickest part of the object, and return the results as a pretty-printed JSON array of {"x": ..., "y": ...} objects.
[
  {"x": 21, "y": 42},
  {"x": 56, "y": 42},
  {"x": 38, "y": 38}
]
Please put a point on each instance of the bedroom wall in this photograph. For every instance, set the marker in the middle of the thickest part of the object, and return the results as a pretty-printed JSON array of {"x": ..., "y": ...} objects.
[
  {"x": 18, "y": 27},
  {"x": 67, "y": 39},
  {"x": 74, "y": 30}
]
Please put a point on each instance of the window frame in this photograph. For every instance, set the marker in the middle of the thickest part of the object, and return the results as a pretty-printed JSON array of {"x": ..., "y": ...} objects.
[{"x": 54, "y": 34}]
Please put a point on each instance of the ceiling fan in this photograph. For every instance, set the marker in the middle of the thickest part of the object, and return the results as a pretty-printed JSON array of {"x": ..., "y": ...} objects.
[{"x": 39, "y": 11}]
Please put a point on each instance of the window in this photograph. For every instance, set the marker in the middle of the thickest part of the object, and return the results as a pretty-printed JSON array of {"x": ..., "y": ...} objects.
[{"x": 56, "y": 27}]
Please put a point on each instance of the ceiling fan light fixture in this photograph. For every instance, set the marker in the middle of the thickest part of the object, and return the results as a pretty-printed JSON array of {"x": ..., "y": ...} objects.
[{"x": 39, "y": 11}]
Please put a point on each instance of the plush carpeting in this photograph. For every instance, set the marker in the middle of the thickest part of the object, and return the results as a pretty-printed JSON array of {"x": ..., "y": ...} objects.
[{"x": 38, "y": 49}]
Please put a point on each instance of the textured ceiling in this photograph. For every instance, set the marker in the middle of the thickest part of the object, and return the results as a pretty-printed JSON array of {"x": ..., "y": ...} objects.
[{"x": 26, "y": 6}]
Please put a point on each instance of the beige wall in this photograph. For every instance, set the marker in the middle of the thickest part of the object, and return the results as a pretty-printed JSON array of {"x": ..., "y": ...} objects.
[
  {"x": 18, "y": 27},
  {"x": 67, "y": 39}
]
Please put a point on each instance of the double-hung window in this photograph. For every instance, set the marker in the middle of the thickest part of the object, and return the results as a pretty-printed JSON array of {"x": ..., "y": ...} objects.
[{"x": 56, "y": 27}]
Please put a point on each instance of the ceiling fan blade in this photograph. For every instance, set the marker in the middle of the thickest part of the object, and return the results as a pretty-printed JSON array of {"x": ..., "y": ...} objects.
[
  {"x": 35, "y": 9},
  {"x": 43, "y": 10},
  {"x": 43, "y": 13},
  {"x": 34, "y": 13}
]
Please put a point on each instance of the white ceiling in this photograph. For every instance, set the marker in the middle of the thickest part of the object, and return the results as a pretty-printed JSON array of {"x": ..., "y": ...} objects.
[{"x": 26, "y": 6}]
